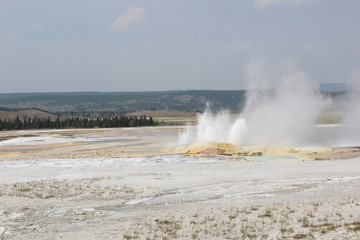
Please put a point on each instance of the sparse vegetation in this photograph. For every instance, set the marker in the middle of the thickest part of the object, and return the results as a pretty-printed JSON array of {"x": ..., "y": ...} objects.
[{"x": 276, "y": 222}]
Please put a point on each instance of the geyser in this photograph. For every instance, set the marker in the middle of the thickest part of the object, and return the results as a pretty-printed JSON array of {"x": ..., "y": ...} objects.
[{"x": 286, "y": 117}]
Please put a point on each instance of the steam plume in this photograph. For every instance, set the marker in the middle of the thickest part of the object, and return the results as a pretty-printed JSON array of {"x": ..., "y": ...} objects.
[{"x": 285, "y": 117}]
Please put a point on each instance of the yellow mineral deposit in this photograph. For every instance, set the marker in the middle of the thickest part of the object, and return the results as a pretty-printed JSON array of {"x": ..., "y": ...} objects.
[
  {"x": 228, "y": 149},
  {"x": 213, "y": 148}
]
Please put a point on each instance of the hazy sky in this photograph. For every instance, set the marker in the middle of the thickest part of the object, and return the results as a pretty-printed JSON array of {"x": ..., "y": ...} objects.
[{"x": 118, "y": 45}]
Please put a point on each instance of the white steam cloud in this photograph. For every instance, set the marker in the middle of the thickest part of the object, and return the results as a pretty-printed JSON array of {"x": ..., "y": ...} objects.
[
  {"x": 212, "y": 127},
  {"x": 287, "y": 117},
  {"x": 352, "y": 117}
]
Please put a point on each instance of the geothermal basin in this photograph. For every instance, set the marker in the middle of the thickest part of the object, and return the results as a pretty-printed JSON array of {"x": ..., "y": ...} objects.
[{"x": 140, "y": 183}]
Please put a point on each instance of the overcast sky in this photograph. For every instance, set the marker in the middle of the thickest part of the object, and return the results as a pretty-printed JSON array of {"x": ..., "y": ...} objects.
[{"x": 118, "y": 45}]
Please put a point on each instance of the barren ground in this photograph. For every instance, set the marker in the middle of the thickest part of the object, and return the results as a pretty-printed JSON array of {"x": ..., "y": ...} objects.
[{"x": 127, "y": 184}]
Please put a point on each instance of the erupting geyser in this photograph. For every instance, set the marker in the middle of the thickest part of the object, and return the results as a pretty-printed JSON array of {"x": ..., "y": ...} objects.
[{"x": 284, "y": 117}]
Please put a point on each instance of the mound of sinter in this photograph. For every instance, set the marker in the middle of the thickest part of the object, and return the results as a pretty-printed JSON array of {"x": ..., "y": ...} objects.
[
  {"x": 228, "y": 149},
  {"x": 214, "y": 148}
]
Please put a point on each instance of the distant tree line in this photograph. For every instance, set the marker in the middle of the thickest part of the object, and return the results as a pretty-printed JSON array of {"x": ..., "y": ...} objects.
[
  {"x": 47, "y": 123},
  {"x": 89, "y": 114}
]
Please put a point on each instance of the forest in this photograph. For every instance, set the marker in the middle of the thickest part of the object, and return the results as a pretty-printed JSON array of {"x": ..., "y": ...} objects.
[{"x": 58, "y": 123}]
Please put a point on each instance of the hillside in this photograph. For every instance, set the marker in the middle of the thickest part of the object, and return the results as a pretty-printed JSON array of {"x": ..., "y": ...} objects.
[
  {"x": 334, "y": 87},
  {"x": 125, "y": 101},
  {"x": 86, "y": 103},
  {"x": 162, "y": 113},
  {"x": 26, "y": 114}
]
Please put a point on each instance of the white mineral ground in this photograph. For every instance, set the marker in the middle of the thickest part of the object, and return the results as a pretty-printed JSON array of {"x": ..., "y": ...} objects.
[{"x": 132, "y": 184}]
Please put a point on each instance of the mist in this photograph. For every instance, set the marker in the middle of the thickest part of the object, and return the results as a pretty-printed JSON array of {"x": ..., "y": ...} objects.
[
  {"x": 286, "y": 116},
  {"x": 353, "y": 99}
]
